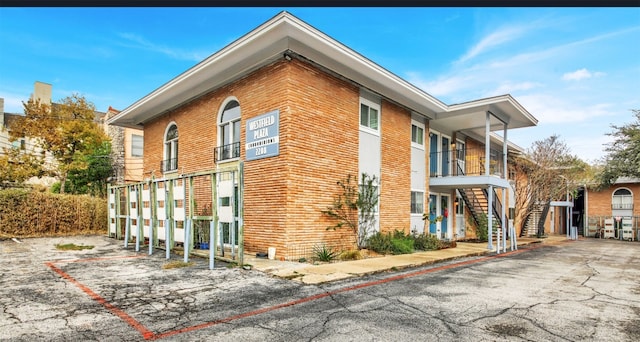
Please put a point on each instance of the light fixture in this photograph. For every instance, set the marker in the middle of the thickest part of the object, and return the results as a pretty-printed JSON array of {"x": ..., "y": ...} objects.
[{"x": 287, "y": 56}]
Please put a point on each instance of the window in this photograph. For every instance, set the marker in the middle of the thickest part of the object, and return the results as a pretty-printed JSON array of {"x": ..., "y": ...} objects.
[
  {"x": 229, "y": 132},
  {"x": 170, "y": 162},
  {"x": 622, "y": 199},
  {"x": 19, "y": 144},
  {"x": 417, "y": 202},
  {"x": 417, "y": 135},
  {"x": 369, "y": 116},
  {"x": 137, "y": 142}
]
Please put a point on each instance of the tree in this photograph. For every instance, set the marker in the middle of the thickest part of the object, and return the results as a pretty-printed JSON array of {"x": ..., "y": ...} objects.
[
  {"x": 16, "y": 166},
  {"x": 93, "y": 179},
  {"x": 354, "y": 207},
  {"x": 623, "y": 154},
  {"x": 547, "y": 172},
  {"x": 67, "y": 130}
]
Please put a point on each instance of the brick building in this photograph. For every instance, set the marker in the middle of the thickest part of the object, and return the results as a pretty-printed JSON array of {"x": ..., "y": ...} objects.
[
  {"x": 301, "y": 111},
  {"x": 615, "y": 203}
]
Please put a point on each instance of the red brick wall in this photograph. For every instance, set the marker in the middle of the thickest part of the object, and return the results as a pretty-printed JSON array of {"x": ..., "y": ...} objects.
[
  {"x": 395, "y": 187},
  {"x": 322, "y": 148}
]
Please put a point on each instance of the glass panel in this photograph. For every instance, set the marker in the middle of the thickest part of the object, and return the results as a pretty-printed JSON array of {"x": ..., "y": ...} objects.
[
  {"x": 445, "y": 156},
  {"x": 226, "y": 134},
  {"x": 433, "y": 156},
  {"x": 432, "y": 213},
  {"x": 417, "y": 202},
  {"x": 420, "y": 135},
  {"x": 373, "y": 118},
  {"x": 444, "y": 212},
  {"x": 136, "y": 145},
  {"x": 231, "y": 112},
  {"x": 364, "y": 115},
  {"x": 236, "y": 131},
  {"x": 172, "y": 133}
]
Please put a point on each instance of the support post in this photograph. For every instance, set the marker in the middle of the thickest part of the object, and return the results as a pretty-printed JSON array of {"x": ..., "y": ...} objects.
[
  {"x": 490, "y": 218},
  {"x": 241, "y": 213}
]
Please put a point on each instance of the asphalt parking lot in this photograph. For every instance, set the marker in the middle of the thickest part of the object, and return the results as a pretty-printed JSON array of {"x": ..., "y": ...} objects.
[{"x": 588, "y": 290}]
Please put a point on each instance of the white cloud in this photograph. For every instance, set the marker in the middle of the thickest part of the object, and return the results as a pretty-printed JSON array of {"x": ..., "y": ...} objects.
[
  {"x": 492, "y": 40},
  {"x": 141, "y": 43},
  {"x": 551, "y": 109},
  {"x": 510, "y": 88},
  {"x": 580, "y": 75}
]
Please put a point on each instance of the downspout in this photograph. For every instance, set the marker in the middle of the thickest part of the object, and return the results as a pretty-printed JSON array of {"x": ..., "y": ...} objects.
[{"x": 487, "y": 143}]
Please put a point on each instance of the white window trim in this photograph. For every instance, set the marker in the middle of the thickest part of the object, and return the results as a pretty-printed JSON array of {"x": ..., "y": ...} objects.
[
  {"x": 220, "y": 124},
  {"x": 420, "y": 125},
  {"x": 375, "y": 106},
  {"x": 131, "y": 151},
  {"x": 164, "y": 145},
  {"x": 423, "y": 203}
]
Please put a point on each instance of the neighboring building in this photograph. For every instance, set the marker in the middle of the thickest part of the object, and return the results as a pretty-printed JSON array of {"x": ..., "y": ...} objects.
[
  {"x": 26, "y": 144},
  {"x": 614, "y": 206},
  {"x": 302, "y": 111},
  {"x": 41, "y": 91},
  {"x": 126, "y": 150}
]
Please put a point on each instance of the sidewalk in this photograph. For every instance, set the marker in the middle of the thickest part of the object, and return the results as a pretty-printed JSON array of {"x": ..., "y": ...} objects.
[{"x": 316, "y": 274}]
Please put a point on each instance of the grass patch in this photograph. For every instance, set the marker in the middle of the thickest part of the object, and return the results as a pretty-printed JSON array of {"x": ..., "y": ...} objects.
[
  {"x": 72, "y": 247},
  {"x": 177, "y": 264}
]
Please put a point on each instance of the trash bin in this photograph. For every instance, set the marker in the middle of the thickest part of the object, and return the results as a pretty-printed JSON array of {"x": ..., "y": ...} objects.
[
  {"x": 627, "y": 230},
  {"x": 609, "y": 231}
]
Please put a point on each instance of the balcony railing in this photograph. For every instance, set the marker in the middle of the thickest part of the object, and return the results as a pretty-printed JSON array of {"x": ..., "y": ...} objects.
[
  {"x": 470, "y": 162},
  {"x": 229, "y": 151},
  {"x": 622, "y": 206},
  {"x": 169, "y": 165}
]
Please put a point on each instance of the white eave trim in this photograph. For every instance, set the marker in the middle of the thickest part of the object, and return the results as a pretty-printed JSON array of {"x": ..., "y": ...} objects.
[{"x": 287, "y": 32}]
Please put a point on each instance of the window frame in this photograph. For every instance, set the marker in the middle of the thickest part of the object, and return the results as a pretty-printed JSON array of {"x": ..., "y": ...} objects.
[
  {"x": 370, "y": 105},
  {"x": 133, "y": 138},
  {"x": 233, "y": 128},
  {"x": 171, "y": 148},
  {"x": 414, "y": 143},
  {"x": 414, "y": 202}
]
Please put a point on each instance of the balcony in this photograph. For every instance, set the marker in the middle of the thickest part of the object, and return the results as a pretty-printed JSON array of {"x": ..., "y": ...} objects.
[
  {"x": 466, "y": 170},
  {"x": 470, "y": 162},
  {"x": 169, "y": 165},
  {"x": 225, "y": 152},
  {"x": 622, "y": 206}
]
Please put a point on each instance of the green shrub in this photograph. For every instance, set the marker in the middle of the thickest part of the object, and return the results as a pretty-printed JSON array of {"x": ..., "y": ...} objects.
[
  {"x": 426, "y": 242},
  {"x": 324, "y": 253},
  {"x": 380, "y": 243},
  {"x": 402, "y": 245}
]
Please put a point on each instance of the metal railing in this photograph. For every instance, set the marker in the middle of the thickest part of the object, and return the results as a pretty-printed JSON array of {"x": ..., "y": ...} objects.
[
  {"x": 228, "y": 151},
  {"x": 470, "y": 162},
  {"x": 169, "y": 165},
  {"x": 622, "y": 206}
]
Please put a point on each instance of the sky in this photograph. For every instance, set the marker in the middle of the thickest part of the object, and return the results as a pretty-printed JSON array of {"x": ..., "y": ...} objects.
[{"x": 577, "y": 70}]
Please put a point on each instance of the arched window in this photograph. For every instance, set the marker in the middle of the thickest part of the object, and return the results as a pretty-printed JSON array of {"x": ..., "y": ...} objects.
[
  {"x": 170, "y": 162},
  {"x": 622, "y": 199},
  {"x": 229, "y": 132}
]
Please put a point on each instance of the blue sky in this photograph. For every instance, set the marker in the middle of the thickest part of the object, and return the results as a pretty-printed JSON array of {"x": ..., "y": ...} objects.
[{"x": 577, "y": 70}]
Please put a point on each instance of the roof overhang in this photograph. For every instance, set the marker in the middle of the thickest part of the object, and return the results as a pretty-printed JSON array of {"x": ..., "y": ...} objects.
[
  {"x": 470, "y": 118},
  {"x": 264, "y": 45}
]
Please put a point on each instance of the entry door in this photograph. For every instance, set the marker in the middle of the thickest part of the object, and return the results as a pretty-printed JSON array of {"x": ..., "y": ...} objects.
[
  {"x": 433, "y": 204},
  {"x": 445, "y": 200},
  {"x": 460, "y": 224}
]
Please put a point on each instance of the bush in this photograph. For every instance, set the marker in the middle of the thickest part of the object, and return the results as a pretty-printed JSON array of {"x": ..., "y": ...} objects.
[
  {"x": 380, "y": 243},
  {"x": 426, "y": 242},
  {"x": 402, "y": 246},
  {"x": 26, "y": 213},
  {"x": 324, "y": 253},
  {"x": 351, "y": 254}
]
